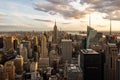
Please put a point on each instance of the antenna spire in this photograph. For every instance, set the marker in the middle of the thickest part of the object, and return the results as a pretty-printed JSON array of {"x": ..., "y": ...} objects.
[
  {"x": 89, "y": 20},
  {"x": 110, "y": 26}
]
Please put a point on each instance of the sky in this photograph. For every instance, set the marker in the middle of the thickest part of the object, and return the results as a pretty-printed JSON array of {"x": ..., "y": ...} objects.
[{"x": 72, "y": 15}]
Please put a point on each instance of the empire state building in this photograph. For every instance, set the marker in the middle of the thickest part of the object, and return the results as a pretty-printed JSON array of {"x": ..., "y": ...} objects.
[{"x": 55, "y": 34}]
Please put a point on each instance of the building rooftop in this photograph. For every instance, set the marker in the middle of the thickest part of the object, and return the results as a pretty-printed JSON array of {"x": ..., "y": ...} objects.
[
  {"x": 74, "y": 68},
  {"x": 89, "y": 51}
]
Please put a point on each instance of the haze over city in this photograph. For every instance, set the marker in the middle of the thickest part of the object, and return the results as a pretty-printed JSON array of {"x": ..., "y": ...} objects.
[{"x": 40, "y": 15}]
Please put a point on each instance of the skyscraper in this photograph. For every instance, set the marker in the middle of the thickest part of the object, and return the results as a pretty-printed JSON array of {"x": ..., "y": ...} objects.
[
  {"x": 9, "y": 43},
  {"x": 9, "y": 71},
  {"x": 55, "y": 33},
  {"x": 15, "y": 43},
  {"x": 44, "y": 51},
  {"x": 18, "y": 62},
  {"x": 110, "y": 61},
  {"x": 23, "y": 53},
  {"x": 66, "y": 47},
  {"x": 91, "y": 64},
  {"x": 118, "y": 69},
  {"x": 27, "y": 45},
  {"x": 91, "y": 33}
]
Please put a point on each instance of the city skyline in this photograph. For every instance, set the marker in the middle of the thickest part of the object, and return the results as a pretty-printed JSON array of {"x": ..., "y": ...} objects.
[{"x": 40, "y": 15}]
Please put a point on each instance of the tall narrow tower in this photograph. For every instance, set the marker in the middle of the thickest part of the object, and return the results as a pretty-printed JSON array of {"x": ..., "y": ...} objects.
[
  {"x": 55, "y": 33},
  {"x": 110, "y": 26}
]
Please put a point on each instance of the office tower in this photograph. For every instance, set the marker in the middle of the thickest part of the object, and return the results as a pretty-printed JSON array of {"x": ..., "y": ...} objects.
[
  {"x": 18, "y": 62},
  {"x": 27, "y": 45},
  {"x": 23, "y": 53},
  {"x": 118, "y": 69},
  {"x": 91, "y": 33},
  {"x": 66, "y": 47},
  {"x": 9, "y": 43},
  {"x": 44, "y": 51},
  {"x": 91, "y": 64},
  {"x": 1, "y": 72},
  {"x": 74, "y": 73},
  {"x": 55, "y": 34},
  {"x": 15, "y": 43},
  {"x": 33, "y": 66},
  {"x": 110, "y": 61},
  {"x": 102, "y": 53},
  {"x": 1, "y": 42},
  {"x": 9, "y": 71}
]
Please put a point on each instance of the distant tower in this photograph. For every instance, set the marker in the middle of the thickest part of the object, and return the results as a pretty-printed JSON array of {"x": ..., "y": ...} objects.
[{"x": 55, "y": 33}]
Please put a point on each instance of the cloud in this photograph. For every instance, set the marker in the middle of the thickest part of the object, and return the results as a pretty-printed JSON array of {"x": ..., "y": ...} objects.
[
  {"x": 61, "y": 7},
  {"x": 110, "y": 7},
  {"x": 43, "y": 20},
  {"x": 115, "y": 15}
]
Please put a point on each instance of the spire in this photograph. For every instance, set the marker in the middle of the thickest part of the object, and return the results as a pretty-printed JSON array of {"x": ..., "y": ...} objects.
[
  {"x": 55, "y": 22},
  {"x": 110, "y": 26},
  {"x": 55, "y": 26}
]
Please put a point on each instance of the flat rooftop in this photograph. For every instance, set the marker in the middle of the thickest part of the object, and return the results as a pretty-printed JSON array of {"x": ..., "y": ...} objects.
[{"x": 89, "y": 51}]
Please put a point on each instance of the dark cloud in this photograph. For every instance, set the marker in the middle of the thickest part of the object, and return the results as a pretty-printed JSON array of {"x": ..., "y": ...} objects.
[
  {"x": 43, "y": 20},
  {"x": 61, "y": 7}
]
